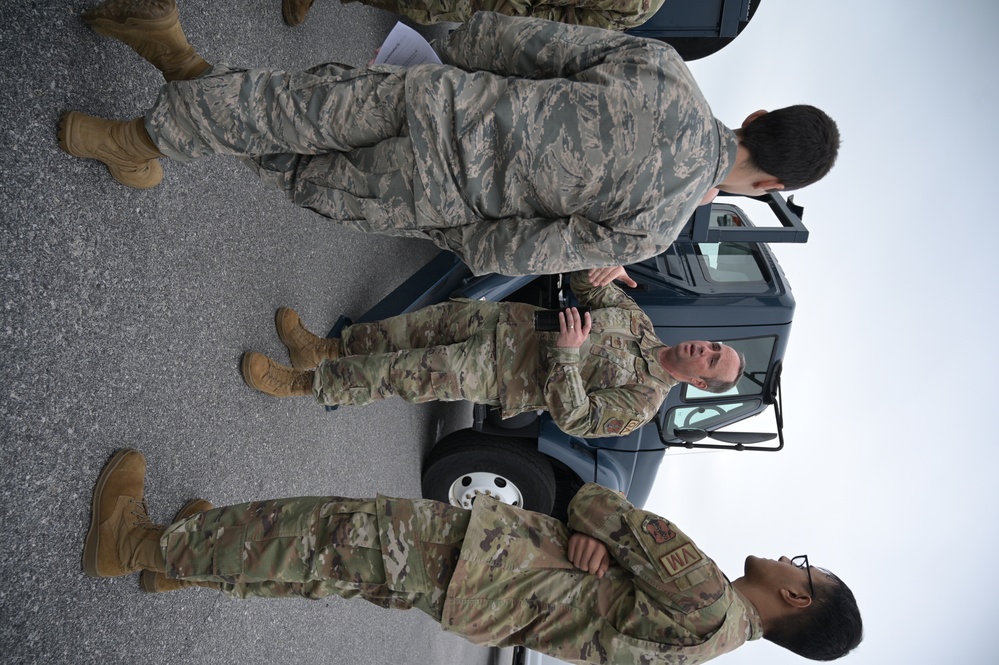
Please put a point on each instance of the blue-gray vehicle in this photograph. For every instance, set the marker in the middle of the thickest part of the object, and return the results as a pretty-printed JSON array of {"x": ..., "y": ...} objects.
[
  {"x": 719, "y": 281},
  {"x": 698, "y": 28}
]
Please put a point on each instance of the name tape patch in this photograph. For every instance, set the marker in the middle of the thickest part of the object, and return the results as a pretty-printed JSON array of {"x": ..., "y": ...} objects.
[{"x": 680, "y": 559}]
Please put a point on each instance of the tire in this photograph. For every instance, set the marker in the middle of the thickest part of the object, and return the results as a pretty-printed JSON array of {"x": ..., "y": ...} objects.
[
  {"x": 567, "y": 484},
  {"x": 467, "y": 462}
]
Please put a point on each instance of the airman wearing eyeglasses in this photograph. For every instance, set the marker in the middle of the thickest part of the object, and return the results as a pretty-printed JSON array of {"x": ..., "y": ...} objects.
[{"x": 618, "y": 586}]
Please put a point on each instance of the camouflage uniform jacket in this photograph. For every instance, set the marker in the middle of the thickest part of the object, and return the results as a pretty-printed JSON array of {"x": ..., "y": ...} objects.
[
  {"x": 608, "y": 387},
  {"x": 662, "y": 600},
  {"x": 581, "y": 148}
]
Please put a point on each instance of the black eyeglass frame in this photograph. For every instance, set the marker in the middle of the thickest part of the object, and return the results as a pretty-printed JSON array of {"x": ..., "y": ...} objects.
[{"x": 801, "y": 561}]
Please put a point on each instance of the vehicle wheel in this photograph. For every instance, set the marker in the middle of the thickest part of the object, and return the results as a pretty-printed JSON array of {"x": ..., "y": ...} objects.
[{"x": 467, "y": 464}]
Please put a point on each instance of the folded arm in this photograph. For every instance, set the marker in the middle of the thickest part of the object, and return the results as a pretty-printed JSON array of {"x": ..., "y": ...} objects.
[
  {"x": 546, "y": 246},
  {"x": 603, "y": 514},
  {"x": 535, "y": 48}
]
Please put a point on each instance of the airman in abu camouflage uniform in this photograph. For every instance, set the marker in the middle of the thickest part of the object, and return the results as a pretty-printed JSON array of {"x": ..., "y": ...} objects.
[
  {"x": 609, "y": 14},
  {"x": 537, "y": 148},
  {"x": 604, "y": 374},
  {"x": 618, "y": 586}
]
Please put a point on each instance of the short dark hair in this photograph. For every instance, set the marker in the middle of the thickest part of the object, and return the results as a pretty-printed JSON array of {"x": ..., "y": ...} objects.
[
  {"x": 827, "y": 629},
  {"x": 719, "y": 386},
  {"x": 797, "y": 144}
]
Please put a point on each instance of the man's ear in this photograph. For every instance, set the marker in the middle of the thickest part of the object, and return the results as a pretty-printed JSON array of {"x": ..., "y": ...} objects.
[
  {"x": 753, "y": 116},
  {"x": 698, "y": 383},
  {"x": 768, "y": 184},
  {"x": 799, "y": 601}
]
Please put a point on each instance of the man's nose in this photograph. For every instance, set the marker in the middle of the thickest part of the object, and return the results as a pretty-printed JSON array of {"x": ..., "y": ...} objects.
[{"x": 784, "y": 559}]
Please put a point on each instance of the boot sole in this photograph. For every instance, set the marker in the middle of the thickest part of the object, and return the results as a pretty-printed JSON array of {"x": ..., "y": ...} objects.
[
  {"x": 148, "y": 577},
  {"x": 92, "y": 544},
  {"x": 68, "y": 128}
]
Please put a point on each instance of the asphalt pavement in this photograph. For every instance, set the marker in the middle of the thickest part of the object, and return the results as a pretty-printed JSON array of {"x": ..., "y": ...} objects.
[{"x": 124, "y": 317}]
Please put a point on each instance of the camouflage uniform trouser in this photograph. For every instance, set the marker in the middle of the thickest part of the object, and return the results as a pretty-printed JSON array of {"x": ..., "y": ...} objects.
[
  {"x": 610, "y": 14},
  {"x": 446, "y": 352},
  {"x": 334, "y": 139},
  {"x": 395, "y": 553}
]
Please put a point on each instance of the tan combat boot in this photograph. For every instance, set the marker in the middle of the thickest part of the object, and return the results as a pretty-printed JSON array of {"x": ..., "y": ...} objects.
[
  {"x": 152, "y": 29},
  {"x": 123, "y": 145},
  {"x": 122, "y": 539},
  {"x": 267, "y": 376},
  {"x": 295, "y": 11},
  {"x": 155, "y": 582},
  {"x": 306, "y": 350}
]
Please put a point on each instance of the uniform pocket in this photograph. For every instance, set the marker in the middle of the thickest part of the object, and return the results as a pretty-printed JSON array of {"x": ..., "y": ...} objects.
[
  {"x": 445, "y": 386},
  {"x": 621, "y": 359},
  {"x": 360, "y": 396}
]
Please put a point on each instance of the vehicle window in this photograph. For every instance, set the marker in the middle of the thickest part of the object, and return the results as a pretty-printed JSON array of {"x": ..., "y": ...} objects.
[
  {"x": 721, "y": 218},
  {"x": 729, "y": 262},
  {"x": 708, "y": 416}
]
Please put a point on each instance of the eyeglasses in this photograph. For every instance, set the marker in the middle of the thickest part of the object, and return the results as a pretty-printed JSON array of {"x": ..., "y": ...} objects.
[{"x": 802, "y": 562}]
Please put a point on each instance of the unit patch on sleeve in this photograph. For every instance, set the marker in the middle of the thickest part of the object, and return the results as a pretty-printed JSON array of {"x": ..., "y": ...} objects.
[
  {"x": 680, "y": 559},
  {"x": 613, "y": 425},
  {"x": 658, "y": 528}
]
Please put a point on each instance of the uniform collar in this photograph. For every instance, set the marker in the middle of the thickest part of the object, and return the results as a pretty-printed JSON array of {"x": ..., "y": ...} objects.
[
  {"x": 728, "y": 145},
  {"x": 650, "y": 351},
  {"x": 755, "y": 622}
]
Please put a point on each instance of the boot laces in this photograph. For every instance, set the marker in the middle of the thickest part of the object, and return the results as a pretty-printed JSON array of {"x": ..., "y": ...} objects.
[
  {"x": 303, "y": 338},
  {"x": 141, "y": 512},
  {"x": 302, "y": 381}
]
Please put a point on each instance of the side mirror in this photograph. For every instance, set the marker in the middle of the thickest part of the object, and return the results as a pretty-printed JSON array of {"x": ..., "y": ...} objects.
[{"x": 690, "y": 434}]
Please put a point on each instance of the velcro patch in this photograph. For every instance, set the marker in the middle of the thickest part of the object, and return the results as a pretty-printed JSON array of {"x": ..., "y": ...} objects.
[
  {"x": 630, "y": 427},
  {"x": 658, "y": 528},
  {"x": 680, "y": 559},
  {"x": 613, "y": 425}
]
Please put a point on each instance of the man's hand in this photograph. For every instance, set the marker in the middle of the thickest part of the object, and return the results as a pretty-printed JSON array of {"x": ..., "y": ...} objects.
[
  {"x": 573, "y": 330},
  {"x": 588, "y": 554},
  {"x": 604, "y": 276}
]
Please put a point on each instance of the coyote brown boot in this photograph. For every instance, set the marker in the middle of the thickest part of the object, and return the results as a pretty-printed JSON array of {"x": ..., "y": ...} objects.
[
  {"x": 155, "y": 582},
  {"x": 152, "y": 29},
  {"x": 123, "y": 145},
  {"x": 122, "y": 539},
  {"x": 295, "y": 11},
  {"x": 306, "y": 350},
  {"x": 275, "y": 379}
]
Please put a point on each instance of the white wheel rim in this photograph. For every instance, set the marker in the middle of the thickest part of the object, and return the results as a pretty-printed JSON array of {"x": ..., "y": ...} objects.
[{"x": 467, "y": 486}]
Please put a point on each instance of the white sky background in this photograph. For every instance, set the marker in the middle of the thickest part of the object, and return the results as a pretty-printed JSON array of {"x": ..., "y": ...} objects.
[{"x": 890, "y": 477}]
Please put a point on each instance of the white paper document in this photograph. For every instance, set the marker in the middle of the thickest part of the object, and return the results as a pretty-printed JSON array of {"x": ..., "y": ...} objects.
[{"x": 406, "y": 47}]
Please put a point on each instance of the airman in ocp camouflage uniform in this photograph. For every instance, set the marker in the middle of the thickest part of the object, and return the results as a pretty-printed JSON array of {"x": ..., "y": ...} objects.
[
  {"x": 537, "y": 148},
  {"x": 618, "y": 586},
  {"x": 609, "y": 14},
  {"x": 609, "y": 380}
]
